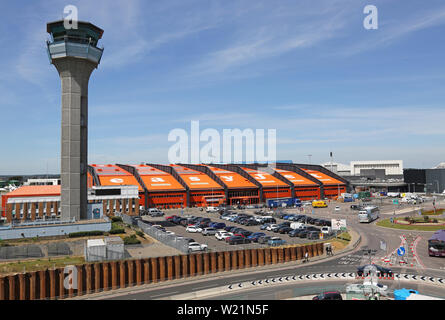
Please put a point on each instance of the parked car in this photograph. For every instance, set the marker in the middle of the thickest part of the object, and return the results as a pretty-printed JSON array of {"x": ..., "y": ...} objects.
[
  {"x": 208, "y": 231},
  {"x": 229, "y": 228},
  {"x": 271, "y": 226},
  {"x": 284, "y": 230},
  {"x": 237, "y": 240},
  {"x": 326, "y": 230},
  {"x": 217, "y": 225},
  {"x": 337, "y": 208},
  {"x": 313, "y": 235},
  {"x": 255, "y": 236},
  {"x": 245, "y": 233},
  {"x": 263, "y": 239},
  {"x": 268, "y": 220},
  {"x": 170, "y": 218},
  {"x": 294, "y": 233},
  {"x": 264, "y": 226},
  {"x": 311, "y": 228},
  {"x": 328, "y": 295},
  {"x": 155, "y": 212},
  {"x": 275, "y": 241},
  {"x": 302, "y": 233},
  {"x": 195, "y": 246},
  {"x": 212, "y": 209},
  {"x": 221, "y": 235},
  {"x": 193, "y": 229}
]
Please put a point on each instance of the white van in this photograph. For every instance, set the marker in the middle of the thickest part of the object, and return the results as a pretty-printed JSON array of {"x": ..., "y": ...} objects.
[
  {"x": 326, "y": 230},
  {"x": 211, "y": 209},
  {"x": 297, "y": 225}
]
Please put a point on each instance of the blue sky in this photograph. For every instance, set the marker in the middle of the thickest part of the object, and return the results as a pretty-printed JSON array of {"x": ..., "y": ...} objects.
[{"x": 308, "y": 69}]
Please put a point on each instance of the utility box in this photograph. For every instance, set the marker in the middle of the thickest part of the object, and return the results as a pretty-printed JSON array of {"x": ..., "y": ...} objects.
[
  {"x": 95, "y": 250},
  {"x": 115, "y": 248}
]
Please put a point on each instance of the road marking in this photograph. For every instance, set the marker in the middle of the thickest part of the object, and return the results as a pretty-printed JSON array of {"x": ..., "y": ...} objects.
[{"x": 165, "y": 294}]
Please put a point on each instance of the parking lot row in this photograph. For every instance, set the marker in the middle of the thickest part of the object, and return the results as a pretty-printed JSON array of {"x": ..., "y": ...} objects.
[{"x": 221, "y": 230}]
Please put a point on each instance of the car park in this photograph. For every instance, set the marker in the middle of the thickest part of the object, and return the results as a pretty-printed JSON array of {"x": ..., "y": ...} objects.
[
  {"x": 193, "y": 229},
  {"x": 275, "y": 241},
  {"x": 208, "y": 231},
  {"x": 328, "y": 295},
  {"x": 195, "y": 246}
]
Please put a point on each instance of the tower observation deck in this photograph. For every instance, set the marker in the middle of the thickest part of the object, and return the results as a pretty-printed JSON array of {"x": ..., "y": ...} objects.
[{"x": 75, "y": 54}]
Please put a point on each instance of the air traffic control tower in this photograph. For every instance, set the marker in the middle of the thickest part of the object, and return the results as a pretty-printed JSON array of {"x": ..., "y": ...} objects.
[{"x": 75, "y": 54}]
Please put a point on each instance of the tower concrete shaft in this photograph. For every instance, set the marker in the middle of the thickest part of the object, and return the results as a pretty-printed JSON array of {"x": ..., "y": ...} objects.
[
  {"x": 75, "y": 55},
  {"x": 74, "y": 74}
]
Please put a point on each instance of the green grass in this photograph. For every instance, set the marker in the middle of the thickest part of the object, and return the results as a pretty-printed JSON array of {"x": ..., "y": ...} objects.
[
  {"x": 39, "y": 264},
  {"x": 387, "y": 223},
  {"x": 431, "y": 212}
]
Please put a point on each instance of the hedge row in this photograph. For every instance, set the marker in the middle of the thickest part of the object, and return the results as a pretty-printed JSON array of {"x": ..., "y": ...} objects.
[{"x": 85, "y": 234}]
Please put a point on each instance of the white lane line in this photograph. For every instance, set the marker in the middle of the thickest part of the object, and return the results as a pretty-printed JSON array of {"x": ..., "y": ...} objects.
[{"x": 165, "y": 294}]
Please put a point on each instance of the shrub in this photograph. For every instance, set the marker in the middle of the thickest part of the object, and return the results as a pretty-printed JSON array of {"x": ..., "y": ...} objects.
[
  {"x": 140, "y": 234},
  {"x": 117, "y": 230},
  {"x": 116, "y": 219},
  {"x": 85, "y": 234},
  {"x": 131, "y": 240}
]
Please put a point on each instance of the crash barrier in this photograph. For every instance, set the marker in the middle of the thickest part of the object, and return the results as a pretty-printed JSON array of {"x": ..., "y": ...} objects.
[{"x": 78, "y": 280}]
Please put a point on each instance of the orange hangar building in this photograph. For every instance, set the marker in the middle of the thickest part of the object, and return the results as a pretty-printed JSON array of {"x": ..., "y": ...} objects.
[
  {"x": 161, "y": 189},
  {"x": 304, "y": 188},
  {"x": 239, "y": 187},
  {"x": 113, "y": 175},
  {"x": 330, "y": 184},
  {"x": 273, "y": 187},
  {"x": 201, "y": 189}
]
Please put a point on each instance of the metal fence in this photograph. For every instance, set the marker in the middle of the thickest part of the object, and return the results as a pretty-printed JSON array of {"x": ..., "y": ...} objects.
[
  {"x": 52, "y": 249},
  {"x": 174, "y": 241}
]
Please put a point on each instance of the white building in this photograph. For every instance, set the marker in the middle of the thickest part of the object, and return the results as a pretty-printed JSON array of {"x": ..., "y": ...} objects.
[
  {"x": 42, "y": 182},
  {"x": 391, "y": 167}
]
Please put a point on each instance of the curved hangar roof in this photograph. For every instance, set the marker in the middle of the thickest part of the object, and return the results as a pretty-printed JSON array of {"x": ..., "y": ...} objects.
[
  {"x": 157, "y": 180},
  {"x": 232, "y": 179},
  {"x": 295, "y": 178},
  {"x": 266, "y": 179},
  {"x": 195, "y": 179},
  {"x": 323, "y": 178},
  {"x": 112, "y": 175}
]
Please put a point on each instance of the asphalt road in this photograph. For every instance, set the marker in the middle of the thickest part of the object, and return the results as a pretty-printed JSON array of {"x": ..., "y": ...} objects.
[{"x": 372, "y": 237}]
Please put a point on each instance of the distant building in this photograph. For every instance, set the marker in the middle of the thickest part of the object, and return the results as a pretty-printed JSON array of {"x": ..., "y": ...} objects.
[{"x": 42, "y": 182}]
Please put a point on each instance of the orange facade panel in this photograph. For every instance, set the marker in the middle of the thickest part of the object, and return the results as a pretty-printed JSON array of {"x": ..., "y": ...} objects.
[
  {"x": 157, "y": 180},
  {"x": 266, "y": 179},
  {"x": 295, "y": 178},
  {"x": 195, "y": 179},
  {"x": 323, "y": 178},
  {"x": 232, "y": 179}
]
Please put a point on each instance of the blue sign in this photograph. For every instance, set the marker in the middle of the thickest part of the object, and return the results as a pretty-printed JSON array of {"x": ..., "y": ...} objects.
[{"x": 401, "y": 251}]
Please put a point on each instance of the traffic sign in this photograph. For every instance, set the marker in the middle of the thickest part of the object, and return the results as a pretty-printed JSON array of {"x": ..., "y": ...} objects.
[{"x": 401, "y": 251}]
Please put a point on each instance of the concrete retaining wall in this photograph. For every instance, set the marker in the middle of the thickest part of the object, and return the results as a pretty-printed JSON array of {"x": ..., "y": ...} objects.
[
  {"x": 104, "y": 276},
  {"x": 52, "y": 230}
]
